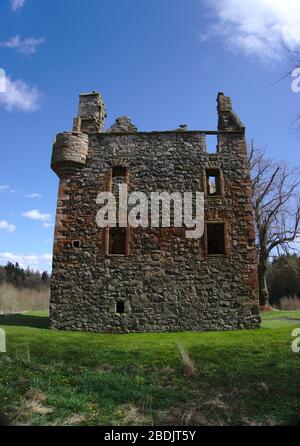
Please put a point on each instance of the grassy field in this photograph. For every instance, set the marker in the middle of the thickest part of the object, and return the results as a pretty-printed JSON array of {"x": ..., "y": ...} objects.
[{"x": 62, "y": 378}]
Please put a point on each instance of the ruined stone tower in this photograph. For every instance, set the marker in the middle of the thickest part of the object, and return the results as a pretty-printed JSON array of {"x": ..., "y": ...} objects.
[{"x": 152, "y": 279}]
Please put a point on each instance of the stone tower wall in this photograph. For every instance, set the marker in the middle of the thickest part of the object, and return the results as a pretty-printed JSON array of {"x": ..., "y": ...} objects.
[{"x": 166, "y": 281}]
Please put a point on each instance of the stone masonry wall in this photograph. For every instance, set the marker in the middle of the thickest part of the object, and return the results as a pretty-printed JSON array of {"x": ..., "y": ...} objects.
[{"x": 167, "y": 282}]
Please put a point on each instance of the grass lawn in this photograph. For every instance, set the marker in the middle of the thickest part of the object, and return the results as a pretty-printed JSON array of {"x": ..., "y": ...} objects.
[
  {"x": 276, "y": 319},
  {"x": 61, "y": 378}
]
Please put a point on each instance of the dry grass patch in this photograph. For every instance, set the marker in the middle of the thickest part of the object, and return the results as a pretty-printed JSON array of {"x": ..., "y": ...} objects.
[
  {"x": 16, "y": 300},
  {"x": 104, "y": 368},
  {"x": 212, "y": 412},
  {"x": 129, "y": 414},
  {"x": 75, "y": 420},
  {"x": 168, "y": 371},
  {"x": 188, "y": 365},
  {"x": 182, "y": 416},
  {"x": 33, "y": 404},
  {"x": 267, "y": 422},
  {"x": 291, "y": 303}
]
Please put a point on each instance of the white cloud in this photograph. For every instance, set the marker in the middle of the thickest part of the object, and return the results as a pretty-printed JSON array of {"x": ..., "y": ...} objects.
[
  {"x": 26, "y": 46},
  {"x": 17, "y": 4},
  {"x": 20, "y": 96},
  {"x": 7, "y": 188},
  {"x": 8, "y": 227},
  {"x": 4, "y": 188},
  {"x": 47, "y": 225},
  {"x": 34, "y": 261},
  {"x": 263, "y": 28},
  {"x": 33, "y": 195},
  {"x": 36, "y": 215}
]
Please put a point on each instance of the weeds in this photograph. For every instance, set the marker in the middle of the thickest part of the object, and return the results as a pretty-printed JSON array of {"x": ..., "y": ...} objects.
[{"x": 188, "y": 365}]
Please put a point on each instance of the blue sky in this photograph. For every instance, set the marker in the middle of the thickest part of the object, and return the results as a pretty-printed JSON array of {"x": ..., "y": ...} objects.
[{"x": 162, "y": 62}]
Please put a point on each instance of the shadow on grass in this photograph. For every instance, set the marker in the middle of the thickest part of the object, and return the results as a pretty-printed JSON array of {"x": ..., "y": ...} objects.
[{"x": 24, "y": 320}]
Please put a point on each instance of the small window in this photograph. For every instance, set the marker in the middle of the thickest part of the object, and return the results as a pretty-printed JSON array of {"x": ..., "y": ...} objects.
[
  {"x": 118, "y": 171},
  {"x": 215, "y": 238},
  {"x": 211, "y": 143},
  {"x": 213, "y": 183},
  {"x": 76, "y": 244},
  {"x": 117, "y": 241},
  {"x": 120, "y": 307}
]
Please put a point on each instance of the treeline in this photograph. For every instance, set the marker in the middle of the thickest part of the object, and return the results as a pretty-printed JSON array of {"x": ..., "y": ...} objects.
[
  {"x": 14, "y": 275},
  {"x": 284, "y": 278}
]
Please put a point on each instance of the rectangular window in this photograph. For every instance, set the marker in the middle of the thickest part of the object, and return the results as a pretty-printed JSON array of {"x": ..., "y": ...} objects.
[
  {"x": 120, "y": 307},
  {"x": 215, "y": 238},
  {"x": 117, "y": 241},
  {"x": 211, "y": 142},
  {"x": 119, "y": 171},
  {"x": 213, "y": 182}
]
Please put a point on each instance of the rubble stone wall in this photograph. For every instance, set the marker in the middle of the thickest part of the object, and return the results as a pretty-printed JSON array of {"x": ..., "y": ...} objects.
[{"x": 167, "y": 281}]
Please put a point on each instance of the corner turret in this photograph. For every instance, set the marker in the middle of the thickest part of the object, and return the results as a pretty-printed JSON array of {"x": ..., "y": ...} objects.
[
  {"x": 70, "y": 149},
  {"x": 69, "y": 153}
]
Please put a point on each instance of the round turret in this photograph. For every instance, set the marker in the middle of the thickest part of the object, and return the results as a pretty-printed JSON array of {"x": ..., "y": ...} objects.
[{"x": 69, "y": 153}]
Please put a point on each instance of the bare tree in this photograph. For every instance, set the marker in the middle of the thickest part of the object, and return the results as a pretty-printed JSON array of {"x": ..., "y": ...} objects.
[{"x": 276, "y": 204}]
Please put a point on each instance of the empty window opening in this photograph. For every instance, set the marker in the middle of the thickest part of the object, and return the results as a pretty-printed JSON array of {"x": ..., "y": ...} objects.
[
  {"x": 213, "y": 183},
  {"x": 120, "y": 307},
  {"x": 76, "y": 244},
  {"x": 118, "y": 178},
  {"x": 211, "y": 143},
  {"x": 116, "y": 238},
  {"x": 119, "y": 171},
  {"x": 215, "y": 238},
  {"x": 117, "y": 241}
]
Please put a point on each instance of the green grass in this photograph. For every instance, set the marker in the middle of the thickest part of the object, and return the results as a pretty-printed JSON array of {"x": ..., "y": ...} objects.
[
  {"x": 277, "y": 319},
  {"x": 243, "y": 377}
]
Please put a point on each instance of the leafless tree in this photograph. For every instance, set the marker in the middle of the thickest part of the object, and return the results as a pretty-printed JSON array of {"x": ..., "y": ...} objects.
[{"x": 276, "y": 204}]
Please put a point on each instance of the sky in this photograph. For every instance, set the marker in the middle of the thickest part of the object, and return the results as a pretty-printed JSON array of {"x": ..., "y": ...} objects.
[{"x": 161, "y": 62}]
